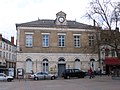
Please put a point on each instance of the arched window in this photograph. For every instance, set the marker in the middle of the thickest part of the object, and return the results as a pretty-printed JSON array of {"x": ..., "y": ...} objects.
[
  {"x": 77, "y": 64},
  {"x": 92, "y": 64},
  {"x": 28, "y": 65},
  {"x": 45, "y": 65},
  {"x": 78, "y": 60},
  {"x": 61, "y": 59}
]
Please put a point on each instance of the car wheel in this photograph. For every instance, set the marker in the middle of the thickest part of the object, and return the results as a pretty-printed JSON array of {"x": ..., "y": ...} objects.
[
  {"x": 68, "y": 77},
  {"x": 35, "y": 78},
  {"x": 9, "y": 80},
  {"x": 53, "y": 77}
]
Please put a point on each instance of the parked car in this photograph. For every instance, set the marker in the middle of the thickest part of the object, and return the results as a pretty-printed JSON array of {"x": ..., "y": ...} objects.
[
  {"x": 67, "y": 73},
  {"x": 4, "y": 77},
  {"x": 43, "y": 75}
]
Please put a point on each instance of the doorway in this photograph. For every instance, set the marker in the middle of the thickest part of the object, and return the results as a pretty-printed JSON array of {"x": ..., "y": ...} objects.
[{"x": 61, "y": 66}]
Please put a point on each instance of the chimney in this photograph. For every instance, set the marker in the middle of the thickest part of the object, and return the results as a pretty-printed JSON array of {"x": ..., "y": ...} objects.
[
  {"x": 0, "y": 37},
  {"x": 12, "y": 40}
]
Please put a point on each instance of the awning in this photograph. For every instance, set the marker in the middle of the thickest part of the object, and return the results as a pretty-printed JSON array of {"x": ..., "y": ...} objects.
[{"x": 112, "y": 61}]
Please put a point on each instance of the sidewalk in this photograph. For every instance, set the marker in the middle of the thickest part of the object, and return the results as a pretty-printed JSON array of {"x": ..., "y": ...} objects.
[{"x": 104, "y": 78}]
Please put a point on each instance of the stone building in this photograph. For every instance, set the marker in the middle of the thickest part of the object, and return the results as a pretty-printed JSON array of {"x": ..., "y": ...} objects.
[
  {"x": 7, "y": 56},
  {"x": 53, "y": 45}
]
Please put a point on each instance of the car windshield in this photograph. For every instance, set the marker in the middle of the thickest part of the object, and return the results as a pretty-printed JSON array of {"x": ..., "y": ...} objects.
[
  {"x": 39, "y": 73},
  {"x": 45, "y": 73},
  {"x": 42, "y": 73},
  {"x": 77, "y": 70}
]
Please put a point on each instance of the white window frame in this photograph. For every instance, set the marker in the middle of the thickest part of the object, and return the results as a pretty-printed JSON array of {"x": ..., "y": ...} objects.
[
  {"x": 29, "y": 40},
  {"x": 45, "y": 39},
  {"x": 91, "y": 38},
  {"x": 61, "y": 40},
  {"x": 76, "y": 40}
]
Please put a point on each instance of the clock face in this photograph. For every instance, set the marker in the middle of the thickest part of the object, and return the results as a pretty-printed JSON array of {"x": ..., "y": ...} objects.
[{"x": 61, "y": 19}]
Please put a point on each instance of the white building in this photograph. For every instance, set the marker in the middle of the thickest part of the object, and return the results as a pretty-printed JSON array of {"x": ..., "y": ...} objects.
[{"x": 7, "y": 55}]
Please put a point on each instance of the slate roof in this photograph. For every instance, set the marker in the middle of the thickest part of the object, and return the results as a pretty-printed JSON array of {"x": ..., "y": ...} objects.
[
  {"x": 7, "y": 41},
  {"x": 51, "y": 24}
]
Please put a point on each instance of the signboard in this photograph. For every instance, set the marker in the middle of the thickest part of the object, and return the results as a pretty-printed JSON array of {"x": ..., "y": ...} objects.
[{"x": 20, "y": 71}]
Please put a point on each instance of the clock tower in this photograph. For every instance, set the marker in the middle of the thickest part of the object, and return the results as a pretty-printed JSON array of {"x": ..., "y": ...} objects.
[{"x": 61, "y": 18}]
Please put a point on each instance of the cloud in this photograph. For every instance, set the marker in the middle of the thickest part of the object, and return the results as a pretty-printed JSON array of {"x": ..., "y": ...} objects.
[{"x": 21, "y": 11}]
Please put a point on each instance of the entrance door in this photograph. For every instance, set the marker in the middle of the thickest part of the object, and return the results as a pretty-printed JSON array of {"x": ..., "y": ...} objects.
[{"x": 61, "y": 68}]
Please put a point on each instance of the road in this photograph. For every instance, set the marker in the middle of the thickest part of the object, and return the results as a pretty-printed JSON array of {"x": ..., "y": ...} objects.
[{"x": 97, "y": 83}]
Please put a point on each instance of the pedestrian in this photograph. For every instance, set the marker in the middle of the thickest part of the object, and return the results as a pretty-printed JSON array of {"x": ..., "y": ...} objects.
[{"x": 90, "y": 73}]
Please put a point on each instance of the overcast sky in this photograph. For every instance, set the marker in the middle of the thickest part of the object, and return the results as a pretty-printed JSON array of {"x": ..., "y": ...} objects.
[{"x": 21, "y": 11}]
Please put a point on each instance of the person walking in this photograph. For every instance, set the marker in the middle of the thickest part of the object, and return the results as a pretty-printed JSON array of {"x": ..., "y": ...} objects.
[{"x": 90, "y": 73}]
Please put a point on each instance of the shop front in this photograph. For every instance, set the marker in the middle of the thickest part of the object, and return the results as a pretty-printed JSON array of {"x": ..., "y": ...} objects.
[{"x": 111, "y": 64}]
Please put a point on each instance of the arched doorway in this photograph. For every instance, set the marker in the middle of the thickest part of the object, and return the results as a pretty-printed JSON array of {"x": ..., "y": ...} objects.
[
  {"x": 77, "y": 64},
  {"x": 45, "y": 65},
  {"x": 29, "y": 65},
  {"x": 61, "y": 66}
]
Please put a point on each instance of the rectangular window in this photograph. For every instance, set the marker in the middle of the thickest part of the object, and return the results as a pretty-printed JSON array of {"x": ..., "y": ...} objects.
[
  {"x": 9, "y": 48},
  {"x": 3, "y": 54},
  {"x": 91, "y": 40},
  {"x": 6, "y": 55},
  {"x": 45, "y": 40},
  {"x": 113, "y": 53},
  {"x": 6, "y": 47},
  {"x": 61, "y": 40},
  {"x": 77, "y": 41},
  {"x": 29, "y": 40},
  {"x": 9, "y": 55}
]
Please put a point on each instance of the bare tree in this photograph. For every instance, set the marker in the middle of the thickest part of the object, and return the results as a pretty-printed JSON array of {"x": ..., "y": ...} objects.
[
  {"x": 100, "y": 11},
  {"x": 116, "y": 14},
  {"x": 105, "y": 13}
]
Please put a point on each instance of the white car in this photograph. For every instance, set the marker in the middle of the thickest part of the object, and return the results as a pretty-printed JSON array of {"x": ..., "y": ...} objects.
[
  {"x": 4, "y": 77},
  {"x": 43, "y": 75}
]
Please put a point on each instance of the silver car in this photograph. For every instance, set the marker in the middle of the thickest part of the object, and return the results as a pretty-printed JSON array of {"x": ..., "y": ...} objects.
[
  {"x": 43, "y": 75},
  {"x": 4, "y": 77}
]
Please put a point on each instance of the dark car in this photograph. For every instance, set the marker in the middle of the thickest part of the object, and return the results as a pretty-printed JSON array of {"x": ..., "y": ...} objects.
[{"x": 73, "y": 73}]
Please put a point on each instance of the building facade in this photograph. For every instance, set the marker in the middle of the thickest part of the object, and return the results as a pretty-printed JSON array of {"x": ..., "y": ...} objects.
[
  {"x": 7, "y": 56},
  {"x": 54, "y": 45},
  {"x": 109, "y": 46}
]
